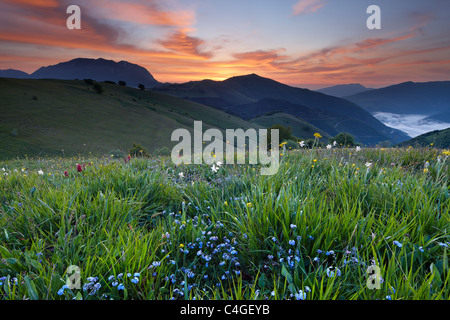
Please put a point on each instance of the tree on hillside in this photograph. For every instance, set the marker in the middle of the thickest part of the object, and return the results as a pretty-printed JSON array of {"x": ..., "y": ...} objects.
[
  {"x": 98, "y": 88},
  {"x": 284, "y": 134},
  {"x": 344, "y": 139},
  {"x": 141, "y": 86},
  {"x": 122, "y": 83}
]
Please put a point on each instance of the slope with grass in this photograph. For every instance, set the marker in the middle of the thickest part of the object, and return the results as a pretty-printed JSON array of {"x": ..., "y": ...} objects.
[
  {"x": 300, "y": 128},
  {"x": 436, "y": 138},
  {"x": 45, "y": 117}
]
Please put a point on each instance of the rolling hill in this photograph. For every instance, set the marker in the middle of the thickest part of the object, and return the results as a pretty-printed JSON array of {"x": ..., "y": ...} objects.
[
  {"x": 251, "y": 95},
  {"x": 300, "y": 128},
  {"x": 45, "y": 117},
  {"x": 439, "y": 139}
]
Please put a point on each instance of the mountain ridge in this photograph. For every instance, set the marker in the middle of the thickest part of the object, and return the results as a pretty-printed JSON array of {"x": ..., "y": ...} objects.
[
  {"x": 344, "y": 90},
  {"x": 235, "y": 94}
]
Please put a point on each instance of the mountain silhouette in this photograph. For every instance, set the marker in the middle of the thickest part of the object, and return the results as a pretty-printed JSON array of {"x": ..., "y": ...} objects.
[
  {"x": 98, "y": 70},
  {"x": 251, "y": 95},
  {"x": 425, "y": 98},
  {"x": 344, "y": 90},
  {"x": 12, "y": 73}
]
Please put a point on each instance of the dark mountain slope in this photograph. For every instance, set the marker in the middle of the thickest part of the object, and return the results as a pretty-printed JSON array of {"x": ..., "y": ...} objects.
[{"x": 98, "y": 70}]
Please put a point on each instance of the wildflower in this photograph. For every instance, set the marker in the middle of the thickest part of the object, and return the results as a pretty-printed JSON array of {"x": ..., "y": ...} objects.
[
  {"x": 302, "y": 143},
  {"x": 300, "y": 295},
  {"x": 398, "y": 244},
  {"x": 331, "y": 272},
  {"x": 135, "y": 280},
  {"x": 334, "y": 143},
  {"x": 388, "y": 298},
  {"x": 40, "y": 172},
  {"x": 292, "y": 242},
  {"x": 79, "y": 169},
  {"x": 317, "y": 135},
  {"x": 120, "y": 287},
  {"x": 329, "y": 146},
  {"x": 181, "y": 174},
  {"x": 270, "y": 256},
  {"x": 249, "y": 205},
  {"x": 358, "y": 148},
  {"x": 214, "y": 168},
  {"x": 66, "y": 173},
  {"x": 368, "y": 164},
  {"x": 293, "y": 226}
]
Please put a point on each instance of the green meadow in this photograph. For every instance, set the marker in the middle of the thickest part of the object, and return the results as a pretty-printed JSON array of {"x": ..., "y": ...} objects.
[{"x": 144, "y": 228}]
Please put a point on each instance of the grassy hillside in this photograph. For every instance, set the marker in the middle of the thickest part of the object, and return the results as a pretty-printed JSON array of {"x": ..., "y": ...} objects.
[
  {"x": 300, "y": 128},
  {"x": 44, "y": 117},
  {"x": 436, "y": 138}
]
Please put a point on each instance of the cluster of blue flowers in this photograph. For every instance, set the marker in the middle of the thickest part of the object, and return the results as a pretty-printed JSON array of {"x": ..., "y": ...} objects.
[{"x": 212, "y": 252}]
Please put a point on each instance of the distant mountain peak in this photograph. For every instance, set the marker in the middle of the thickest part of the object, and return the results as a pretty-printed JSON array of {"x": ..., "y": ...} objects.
[
  {"x": 99, "y": 69},
  {"x": 13, "y": 73},
  {"x": 344, "y": 90}
]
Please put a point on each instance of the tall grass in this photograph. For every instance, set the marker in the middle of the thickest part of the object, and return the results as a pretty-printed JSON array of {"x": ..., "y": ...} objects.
[{"x": 141, "y": 230}]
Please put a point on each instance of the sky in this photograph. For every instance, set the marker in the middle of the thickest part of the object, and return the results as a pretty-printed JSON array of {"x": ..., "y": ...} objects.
[{"x": 304, "y": 43}]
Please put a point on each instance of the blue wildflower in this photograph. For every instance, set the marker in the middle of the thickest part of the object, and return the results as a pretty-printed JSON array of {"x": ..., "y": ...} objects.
[{"x": 398, "y": 244}]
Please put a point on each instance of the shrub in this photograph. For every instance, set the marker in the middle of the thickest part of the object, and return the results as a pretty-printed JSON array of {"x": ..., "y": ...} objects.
[
  {"x": 138, "y": 151},
  {"x": 122, "y": 83},
  {"x": 98, "y": 88},
  {"x": 344, "y": 139},
  {"x": 141, "y": 86},
  {"x": 164, "y": 151},
  {"x": 291, "y": 145},
  {"x": 116, "y": 154},
  {"x": 89, "y": 81}
]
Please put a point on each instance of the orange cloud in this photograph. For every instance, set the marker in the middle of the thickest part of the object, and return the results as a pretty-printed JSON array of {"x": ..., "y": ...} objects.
[
  {"x": 180, "y": 42},
  {"x": 144, "y": 13}
]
